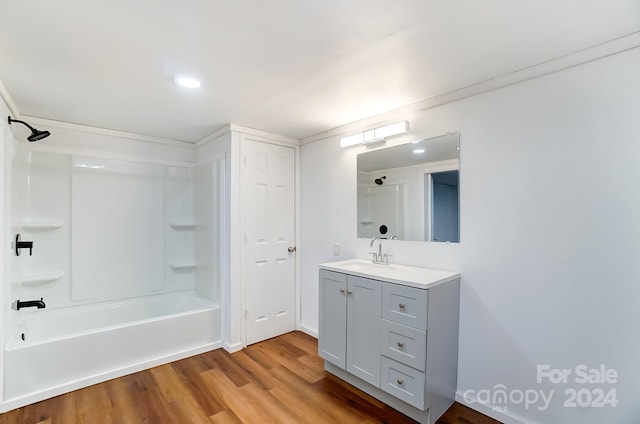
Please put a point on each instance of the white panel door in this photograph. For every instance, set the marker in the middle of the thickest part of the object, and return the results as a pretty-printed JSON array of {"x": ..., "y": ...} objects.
[{"x": 268, "y": 268}]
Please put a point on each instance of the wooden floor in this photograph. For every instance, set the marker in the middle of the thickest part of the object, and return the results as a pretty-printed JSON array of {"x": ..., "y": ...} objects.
[{"x": 276, "y": 381}]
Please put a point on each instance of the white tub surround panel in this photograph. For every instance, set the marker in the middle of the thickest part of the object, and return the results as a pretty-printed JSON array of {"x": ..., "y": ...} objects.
[{"x": 127, "y": 201}]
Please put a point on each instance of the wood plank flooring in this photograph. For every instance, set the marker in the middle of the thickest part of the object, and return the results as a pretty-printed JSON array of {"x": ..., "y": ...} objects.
[{"x": 276, "y": 381}]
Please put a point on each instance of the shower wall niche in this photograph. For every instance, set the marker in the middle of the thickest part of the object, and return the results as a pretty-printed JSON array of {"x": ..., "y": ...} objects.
[{"x": 106, "y": 229}]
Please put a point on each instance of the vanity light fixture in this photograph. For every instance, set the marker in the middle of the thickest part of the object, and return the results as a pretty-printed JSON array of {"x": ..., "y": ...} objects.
[{"x": 375, "y": 135}]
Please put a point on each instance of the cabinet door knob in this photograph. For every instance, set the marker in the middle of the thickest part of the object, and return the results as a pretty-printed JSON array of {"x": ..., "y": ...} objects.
[
  {"x": 349, "y": 292},
  {"x": 400, "y": 344},
  {"x": 399, "y": 381},
  {"x": 341, "y": 290},
  {"x": 401, "y": 305}
]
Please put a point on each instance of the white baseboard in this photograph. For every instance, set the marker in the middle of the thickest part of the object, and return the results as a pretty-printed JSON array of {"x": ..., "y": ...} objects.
[
  {"x": 232, "y": 347},
  {"x": 492, "y": 411},
  {"x": 307, "y": 330}
]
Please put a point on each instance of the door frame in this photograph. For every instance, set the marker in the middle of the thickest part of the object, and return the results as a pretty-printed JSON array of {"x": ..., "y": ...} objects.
[{"x": 285, "y": 142}]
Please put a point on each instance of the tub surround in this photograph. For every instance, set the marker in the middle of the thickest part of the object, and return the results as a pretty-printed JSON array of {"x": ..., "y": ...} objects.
[{"x": 125, "y": 253}]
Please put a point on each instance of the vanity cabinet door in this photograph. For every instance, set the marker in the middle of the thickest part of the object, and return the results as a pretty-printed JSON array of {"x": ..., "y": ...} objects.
[
  {"x": 364, "y": 299},
  {"x": 332, "y": 327}
]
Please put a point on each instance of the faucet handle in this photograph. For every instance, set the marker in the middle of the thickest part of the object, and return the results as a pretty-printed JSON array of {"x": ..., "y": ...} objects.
[
  {"x": 375, "y": 256},
  {"x": 19, "y": 244},
  {"x": 386, "y": 258}
]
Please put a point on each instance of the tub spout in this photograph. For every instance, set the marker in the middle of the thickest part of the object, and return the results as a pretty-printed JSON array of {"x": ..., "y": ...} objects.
[{"x": 30, "y": 304}]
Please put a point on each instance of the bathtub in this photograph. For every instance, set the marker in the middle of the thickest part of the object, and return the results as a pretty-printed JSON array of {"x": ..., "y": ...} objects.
[{"x": 56, "y": 351}]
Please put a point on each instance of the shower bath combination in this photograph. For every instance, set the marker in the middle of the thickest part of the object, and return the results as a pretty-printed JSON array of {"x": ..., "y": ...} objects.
[
  {"x": 158, "y": 305},
  {"x": 35, "y": 133}
]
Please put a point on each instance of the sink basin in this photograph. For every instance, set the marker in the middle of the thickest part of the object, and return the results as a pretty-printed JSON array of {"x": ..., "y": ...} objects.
[
  {"x": 367, "y": 267},
  {"x": 412, "y": 276}
]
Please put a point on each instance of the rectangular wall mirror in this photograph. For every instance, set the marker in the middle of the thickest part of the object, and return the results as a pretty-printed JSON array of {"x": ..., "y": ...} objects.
[{"x": 411, "y": 191}]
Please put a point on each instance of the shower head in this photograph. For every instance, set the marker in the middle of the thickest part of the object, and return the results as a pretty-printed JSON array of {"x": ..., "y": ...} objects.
[
  {"x": 379, "y": 180},
  {"x": 38, "y": 135},
  {"x": 35, "y": 134}
]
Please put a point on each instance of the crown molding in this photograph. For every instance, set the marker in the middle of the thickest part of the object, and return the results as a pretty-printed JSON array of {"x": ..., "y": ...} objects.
[
  {"x": 590, "y": 54},
  {"x": 8, "y": 101},
  {"x": 103, "y": 131}
]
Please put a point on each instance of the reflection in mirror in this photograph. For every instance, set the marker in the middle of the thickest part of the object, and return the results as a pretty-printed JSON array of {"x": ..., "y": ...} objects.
[
  {"x": 444, "y": 201},
  {"x": 412, "y": 189}
]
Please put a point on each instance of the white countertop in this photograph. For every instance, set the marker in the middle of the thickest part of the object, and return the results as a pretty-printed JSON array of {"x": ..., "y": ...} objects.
[{"x": 422, "y": 278}]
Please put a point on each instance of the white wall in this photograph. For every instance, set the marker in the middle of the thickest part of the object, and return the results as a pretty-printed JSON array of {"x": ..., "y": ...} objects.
[
  {"x": 550, "y": 233},
  {"x": 6, "y": 139},
  {"x": 226, "y": 144}
]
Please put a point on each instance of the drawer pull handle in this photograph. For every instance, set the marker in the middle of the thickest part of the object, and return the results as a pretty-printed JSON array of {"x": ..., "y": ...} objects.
[
  {"x": 399, "y": 381},
  {"x": 401, "y": 305},
  {"x": 400, "y": 344},
  {"x": 341, "y": 290}
]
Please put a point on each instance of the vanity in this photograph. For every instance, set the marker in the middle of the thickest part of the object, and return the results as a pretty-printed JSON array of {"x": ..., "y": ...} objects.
[{"x": 392, "y": 331}]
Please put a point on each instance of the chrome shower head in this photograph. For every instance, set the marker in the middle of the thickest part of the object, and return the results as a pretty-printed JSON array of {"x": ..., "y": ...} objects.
[{"x": 35, "y": 134}]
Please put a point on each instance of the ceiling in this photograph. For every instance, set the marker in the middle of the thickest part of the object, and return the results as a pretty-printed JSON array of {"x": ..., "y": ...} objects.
[{"x": 291, "y": 67}]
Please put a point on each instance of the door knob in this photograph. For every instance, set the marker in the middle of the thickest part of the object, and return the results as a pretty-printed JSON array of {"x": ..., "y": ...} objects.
[{"x": 291, "y": 249}]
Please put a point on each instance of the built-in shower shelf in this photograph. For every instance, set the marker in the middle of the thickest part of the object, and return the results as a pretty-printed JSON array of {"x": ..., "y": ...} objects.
[
  {"x": 41, "y": 225},
  {"x": 34, "y": 280},
  {"x": 183, "y": 265},
  {"x": 183, "y": 225}
]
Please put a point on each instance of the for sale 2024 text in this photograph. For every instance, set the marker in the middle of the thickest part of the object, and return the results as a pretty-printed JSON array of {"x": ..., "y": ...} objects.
[{"x": 595, "y": 389}]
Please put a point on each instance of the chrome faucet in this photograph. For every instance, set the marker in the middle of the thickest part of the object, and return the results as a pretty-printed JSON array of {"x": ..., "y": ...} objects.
[
  {"x": 379, "y": 257},
  {"x": 376, "y": 255}
]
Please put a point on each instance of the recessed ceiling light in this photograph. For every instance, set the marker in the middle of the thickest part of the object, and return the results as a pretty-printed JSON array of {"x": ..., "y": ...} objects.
[
  {"x": 416, "y": 151},
  {"x": 187, "y": 82}
]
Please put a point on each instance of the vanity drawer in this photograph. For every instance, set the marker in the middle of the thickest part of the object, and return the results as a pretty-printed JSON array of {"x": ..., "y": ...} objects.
[
  {"x": 403, "y": 382},
  {"x": 404, "y": 344},
  {"x": 405, "y": 305}
]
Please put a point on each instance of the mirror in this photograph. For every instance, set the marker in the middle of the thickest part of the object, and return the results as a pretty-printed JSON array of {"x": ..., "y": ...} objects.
[{"x": 411, "y": 189}]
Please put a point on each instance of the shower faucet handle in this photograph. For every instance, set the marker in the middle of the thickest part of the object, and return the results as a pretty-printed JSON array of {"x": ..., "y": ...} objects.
[{"x": 23, "y": 245}]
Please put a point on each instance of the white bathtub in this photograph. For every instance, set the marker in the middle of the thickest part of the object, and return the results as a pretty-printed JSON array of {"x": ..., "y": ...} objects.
[{"x": 75, "y": 347}]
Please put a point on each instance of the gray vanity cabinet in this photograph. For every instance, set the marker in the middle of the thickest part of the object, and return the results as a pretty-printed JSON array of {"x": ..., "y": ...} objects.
[
  {"x": 332, "y": 326},
  {"x": 349, "y": 324},
  {"x": 398, "y": 342}
]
